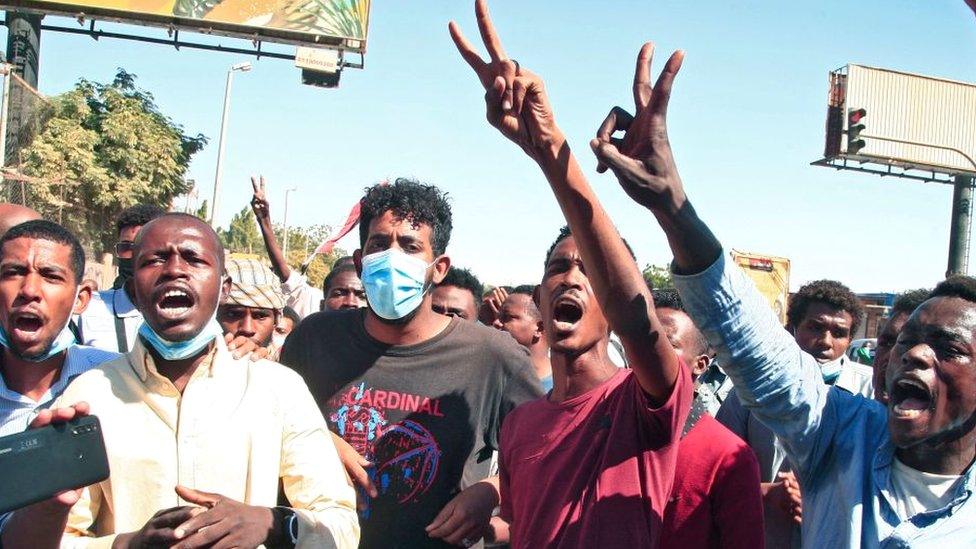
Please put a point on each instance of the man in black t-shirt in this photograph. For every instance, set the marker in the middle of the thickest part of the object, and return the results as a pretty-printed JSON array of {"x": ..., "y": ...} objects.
[{"x": 417, "y": 397}]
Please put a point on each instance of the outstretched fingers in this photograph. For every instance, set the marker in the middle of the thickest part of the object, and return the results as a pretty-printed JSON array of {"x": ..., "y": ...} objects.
[
  {"x": 488, "y": 34},
  {"x": 466, "y": 50},
  {"x": 662, "y": 89},
  {"x": 642, "y": 76}
]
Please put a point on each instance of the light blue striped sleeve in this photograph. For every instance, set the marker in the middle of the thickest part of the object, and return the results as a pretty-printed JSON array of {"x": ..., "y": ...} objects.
[{"x": 777, "y": 381}]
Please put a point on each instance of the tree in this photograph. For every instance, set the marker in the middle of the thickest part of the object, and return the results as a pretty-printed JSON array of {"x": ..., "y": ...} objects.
[
  {"x": 658, "y": 277},
  {"x": 203, "y": 210},
  {"x": 301, "y": 241},
  {"x": 243, "y": 236},
  {"x": 103, "y": 148}
]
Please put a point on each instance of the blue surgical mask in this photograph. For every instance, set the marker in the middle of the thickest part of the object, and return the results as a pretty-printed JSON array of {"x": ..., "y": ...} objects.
[
  {"x": 395, "y": 283},
  {"x": 831, "y": 370},
  {"x": 178, "y": 350}
]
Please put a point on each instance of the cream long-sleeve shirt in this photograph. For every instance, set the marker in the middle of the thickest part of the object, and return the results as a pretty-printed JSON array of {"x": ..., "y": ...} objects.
[{"x": 237, "y": 428}]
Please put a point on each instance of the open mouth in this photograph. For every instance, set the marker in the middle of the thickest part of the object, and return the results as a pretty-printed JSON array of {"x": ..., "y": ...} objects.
[
  {"x": 909, "y": 398},
  {"x": 175, "y": 303},
  {"x": 28, "y": 323},
  {"x": 566, "y": 313}
]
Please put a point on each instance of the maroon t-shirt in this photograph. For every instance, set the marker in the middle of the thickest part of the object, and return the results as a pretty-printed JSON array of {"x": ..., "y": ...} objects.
[
  {"x": 592, "y": 471},
  {"x": 716, "y": 500}
]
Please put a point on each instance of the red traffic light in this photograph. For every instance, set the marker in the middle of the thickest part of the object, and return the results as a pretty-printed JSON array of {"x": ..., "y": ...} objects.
[{"x": 855, "y": 116}]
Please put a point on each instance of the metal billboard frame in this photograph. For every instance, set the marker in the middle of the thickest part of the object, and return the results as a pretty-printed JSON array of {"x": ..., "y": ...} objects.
[
  {"x": 885, "y": 166},
  {"x": 174, "y": 40},
  {"x": 174, "y": 23}
]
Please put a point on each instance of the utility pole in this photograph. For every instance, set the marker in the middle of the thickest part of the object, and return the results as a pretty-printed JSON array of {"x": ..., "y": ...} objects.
[
  {"x": 960, "y": 225},
  {"x": 242, "y": 67},
  {"x": 23, "y": 53},
  {"x": 285, "y": 250}
]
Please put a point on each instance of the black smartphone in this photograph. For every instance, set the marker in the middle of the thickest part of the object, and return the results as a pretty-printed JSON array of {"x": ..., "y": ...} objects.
[{"x": 38, "y": 463}]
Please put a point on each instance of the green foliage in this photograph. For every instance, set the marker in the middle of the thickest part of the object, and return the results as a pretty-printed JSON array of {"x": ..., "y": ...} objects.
[
  {"x": 196, "y": 9},
  {"x": 202, "y": 210},
  {"x": 243, "y": 236},
  {"x": 345, "y": 18},
  {"x": 658, "y": 277},
  {"x": 104, "y": 148}
]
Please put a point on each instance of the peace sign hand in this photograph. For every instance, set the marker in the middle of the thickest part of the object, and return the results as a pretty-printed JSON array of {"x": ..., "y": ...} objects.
[
  {"x": 642, "y": 160},
  {"x": 515, "y": 98},
  {"x": 259, "y": 202}
]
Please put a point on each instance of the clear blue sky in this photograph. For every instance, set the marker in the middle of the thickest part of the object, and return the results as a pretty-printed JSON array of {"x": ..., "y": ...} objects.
[{"x": 747, "y": 118}]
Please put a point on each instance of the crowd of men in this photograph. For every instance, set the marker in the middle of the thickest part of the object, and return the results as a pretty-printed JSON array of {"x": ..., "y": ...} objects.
[{"x": 401, "y": 405}]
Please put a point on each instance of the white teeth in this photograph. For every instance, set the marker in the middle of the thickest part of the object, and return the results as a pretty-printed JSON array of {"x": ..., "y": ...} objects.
[
  {"x": 175, "y": 293},
  {"x": 907, "y": 414},
  {"x": 913, "y": 383}
]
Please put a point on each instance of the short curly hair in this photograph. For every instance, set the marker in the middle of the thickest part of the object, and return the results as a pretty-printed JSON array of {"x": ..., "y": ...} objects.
[
  {"x": 565, "y": 233},
  {"x": 526, "y": 289},
  {"x": 963, "y": 287},
  {"x": 667, "y": 299},
  {"x": 411, "y": 201},
  {"x": 670, "y": 299},
  {"x": 137, "y": 216},
  {"x": 42, "y": 229},
  {"x": 907, "y": 301},
  {"x": 464, "y": 279},
  {"x": 829, "y": 292},
  {"x": 338, "y": 268}
]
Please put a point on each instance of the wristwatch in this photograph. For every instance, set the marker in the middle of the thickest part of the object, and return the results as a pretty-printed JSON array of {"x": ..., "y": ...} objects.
[
  {"x": 288, "y": 519},
  {"x": 291, "y": 527}
]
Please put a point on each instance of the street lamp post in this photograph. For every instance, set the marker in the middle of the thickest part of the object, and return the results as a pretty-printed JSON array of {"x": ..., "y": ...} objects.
[
  {"x": 285, "y": 247},
  {"x": 243, "y": 67}
]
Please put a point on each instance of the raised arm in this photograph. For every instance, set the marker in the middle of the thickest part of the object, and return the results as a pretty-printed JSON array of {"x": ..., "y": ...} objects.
[
  {"x": 518, "y": 107},
  {"x": 772, "y": 376},
  {"x": 262, "y": 211}
]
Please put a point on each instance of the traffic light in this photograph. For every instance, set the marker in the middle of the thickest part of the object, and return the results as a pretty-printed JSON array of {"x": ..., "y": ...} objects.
[{"x": 854, "y": 129}]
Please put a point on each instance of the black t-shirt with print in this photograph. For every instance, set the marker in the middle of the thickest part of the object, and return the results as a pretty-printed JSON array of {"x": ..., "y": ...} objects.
[{"x": 428, "y": 416}]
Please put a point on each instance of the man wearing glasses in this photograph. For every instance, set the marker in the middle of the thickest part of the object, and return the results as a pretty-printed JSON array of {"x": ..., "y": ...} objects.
[{"x": 112, "y": 320}]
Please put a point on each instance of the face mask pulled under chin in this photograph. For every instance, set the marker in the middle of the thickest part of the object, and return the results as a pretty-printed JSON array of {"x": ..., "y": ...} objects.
[
  {"x": 831, "y": 370},
  {"x": 178, "y": 350},
  {"x": 60, "y": 344},
  {"x": 395, "y": 283}
]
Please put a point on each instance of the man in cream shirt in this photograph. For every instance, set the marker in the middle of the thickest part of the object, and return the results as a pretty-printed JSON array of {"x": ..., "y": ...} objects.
[{"x": 197, "y": 440}]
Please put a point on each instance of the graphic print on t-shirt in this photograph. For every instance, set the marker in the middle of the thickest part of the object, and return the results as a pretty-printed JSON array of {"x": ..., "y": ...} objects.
[{"x": 405, "y": 455}]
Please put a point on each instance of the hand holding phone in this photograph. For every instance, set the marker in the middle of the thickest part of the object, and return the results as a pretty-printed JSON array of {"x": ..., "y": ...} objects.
[{"x": 61, "y": 453}]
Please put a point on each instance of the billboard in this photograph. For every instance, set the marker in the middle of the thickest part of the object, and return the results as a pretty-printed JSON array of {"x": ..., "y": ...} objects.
[
  {"x": 771, "y": 275},
  {"x": 907, "y": 120},
  {"x": 340, "y": 24}
]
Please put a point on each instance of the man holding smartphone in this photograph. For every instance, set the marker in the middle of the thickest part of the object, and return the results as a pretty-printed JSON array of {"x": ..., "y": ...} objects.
[
  {"x": 197, "y": 440},
  {"x": 41, "y": 265}
]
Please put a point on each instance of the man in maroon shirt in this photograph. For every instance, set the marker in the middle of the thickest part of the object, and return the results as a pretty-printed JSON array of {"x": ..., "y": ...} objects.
[
  {"x": 716, "y": 501},
  {"x": 592, "y": 464}
]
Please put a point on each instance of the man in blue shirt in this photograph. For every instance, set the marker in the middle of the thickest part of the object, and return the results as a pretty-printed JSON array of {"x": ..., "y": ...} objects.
[
  {"x": 41, "y": 265},
  {"x": 872, "y": 477}
]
